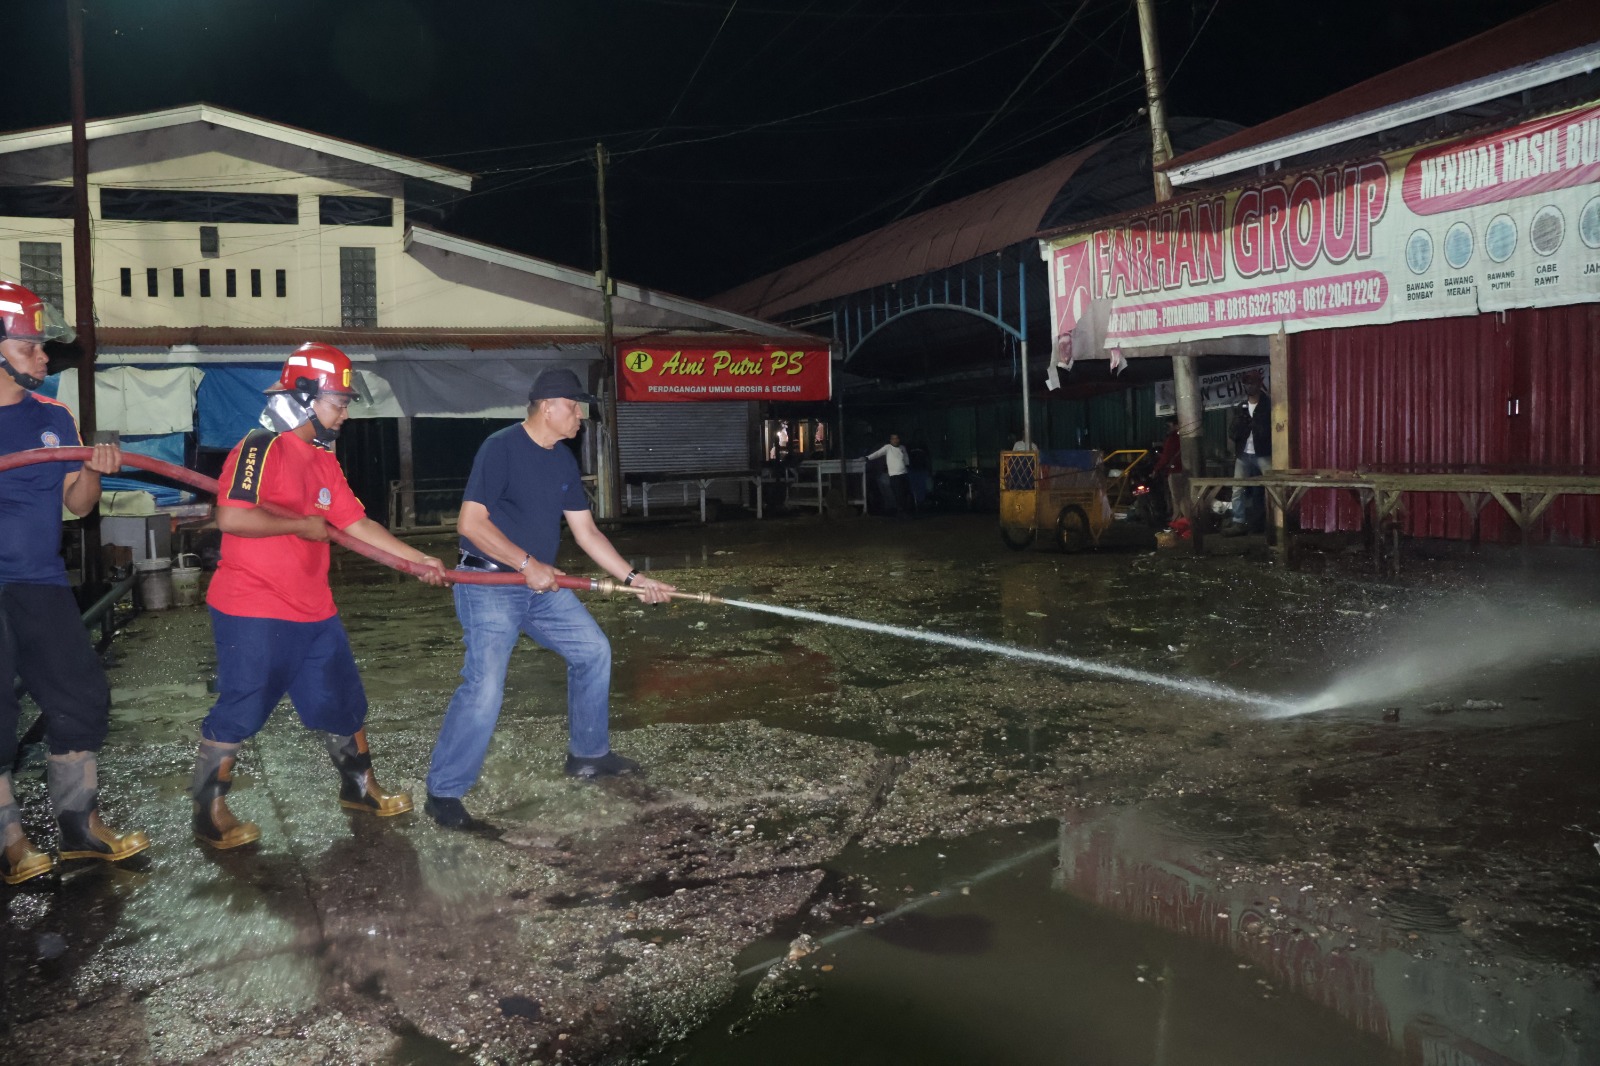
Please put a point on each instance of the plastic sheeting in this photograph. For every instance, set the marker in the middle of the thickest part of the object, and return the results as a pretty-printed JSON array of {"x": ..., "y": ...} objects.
[
  {"x": 137, "y": 401},
  {"x": 230, "y": 402},
  {"x": 169, "y": 448},
  {"x": 475, "y": 387},
  {"x": 230, "y": 398}
]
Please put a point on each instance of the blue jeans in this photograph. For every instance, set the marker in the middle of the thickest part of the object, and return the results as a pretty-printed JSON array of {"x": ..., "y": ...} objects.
[
  {"x": 492, "y": 618},
  {"x": 1250, "y": 505}
]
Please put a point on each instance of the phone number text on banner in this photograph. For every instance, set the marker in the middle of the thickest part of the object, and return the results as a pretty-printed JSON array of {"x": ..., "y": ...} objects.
[{"x": 685, "y": 375}]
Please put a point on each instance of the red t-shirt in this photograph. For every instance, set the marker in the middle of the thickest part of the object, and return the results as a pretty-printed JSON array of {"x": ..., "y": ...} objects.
[{"x": 283, "y": 577}]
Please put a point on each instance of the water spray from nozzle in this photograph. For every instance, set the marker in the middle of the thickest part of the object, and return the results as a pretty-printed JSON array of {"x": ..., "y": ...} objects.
[{"x": 1070, "y": 662}]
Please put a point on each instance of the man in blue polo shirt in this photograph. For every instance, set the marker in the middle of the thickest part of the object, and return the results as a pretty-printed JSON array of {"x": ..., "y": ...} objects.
[
  {"x": 42, "y": 639},
  {"x": 524, "y": 481}
]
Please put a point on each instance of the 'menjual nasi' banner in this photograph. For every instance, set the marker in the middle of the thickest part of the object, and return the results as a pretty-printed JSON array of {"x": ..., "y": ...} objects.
[
  {"x": 1502, "y": 220},
  {"x": 749, "y": 373}
]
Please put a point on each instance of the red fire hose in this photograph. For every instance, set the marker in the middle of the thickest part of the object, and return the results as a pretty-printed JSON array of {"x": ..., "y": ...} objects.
[{"x": 360, "y": 547}]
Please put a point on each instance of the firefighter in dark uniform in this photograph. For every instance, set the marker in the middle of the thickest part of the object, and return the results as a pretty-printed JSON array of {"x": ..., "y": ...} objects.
[{"x": 42, "y": 639}]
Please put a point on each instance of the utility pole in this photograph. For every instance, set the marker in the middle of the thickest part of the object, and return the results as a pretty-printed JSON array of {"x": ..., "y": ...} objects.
[
  {"x": 82, "y": 273},
  {"x": 82, "y": 258},
  {"x": 610, "y": 472},
  {"x": 1155, "y": 92},
  {"x": 1185, "y": 374}
]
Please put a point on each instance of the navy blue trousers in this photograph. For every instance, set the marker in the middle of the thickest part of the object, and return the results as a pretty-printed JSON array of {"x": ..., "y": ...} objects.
[{"x": 43, "y": 642}]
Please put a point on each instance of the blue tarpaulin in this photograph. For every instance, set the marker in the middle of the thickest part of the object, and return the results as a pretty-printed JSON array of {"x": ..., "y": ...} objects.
[
  {"x": 230, "y": 402},
  {"x": 167, "y": 447}
]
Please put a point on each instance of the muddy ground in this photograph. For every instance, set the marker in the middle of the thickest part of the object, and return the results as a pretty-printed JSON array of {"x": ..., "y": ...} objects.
[{"x": 1419, "y": 860}]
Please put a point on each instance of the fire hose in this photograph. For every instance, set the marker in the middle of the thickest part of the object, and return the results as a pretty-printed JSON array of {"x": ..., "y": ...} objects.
[{"x": 189, "y": 477}]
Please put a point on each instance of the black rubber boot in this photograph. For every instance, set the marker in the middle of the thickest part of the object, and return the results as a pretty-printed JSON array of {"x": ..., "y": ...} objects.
[
  {"x": 214, "y": 824},
  {"x": 358, "y": 786},
  {"x": 19, "y": 859},
  {"x": 75, "y": 795},
  {"x": 85, "y": 836}
]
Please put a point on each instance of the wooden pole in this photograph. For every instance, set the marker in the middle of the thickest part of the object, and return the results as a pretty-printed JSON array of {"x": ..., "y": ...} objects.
[
  {"x": 83, "y": 275},
  {"x": 82, "y": 254},
  {"x": 407, "y": 518},
  {"x": 1282, "y": 455},
  {"x": 610, "y": 472},
  {"x": 1185, "y": 368},
  {"x": 1155, "y": 91}
]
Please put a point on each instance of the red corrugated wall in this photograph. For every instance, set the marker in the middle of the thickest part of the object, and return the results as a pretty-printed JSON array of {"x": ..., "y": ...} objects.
[{"x": 1433, "y": 395}]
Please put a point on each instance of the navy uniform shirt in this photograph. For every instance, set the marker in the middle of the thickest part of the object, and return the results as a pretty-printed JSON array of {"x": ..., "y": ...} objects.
[{"x": 30, "y": 496}]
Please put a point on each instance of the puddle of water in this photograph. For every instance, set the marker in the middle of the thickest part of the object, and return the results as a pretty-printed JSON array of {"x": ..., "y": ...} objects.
[
  {"x": 1418, "y": 910},
  {"x": 663, "y": 684},
  {"x": 1015, "y": 972},
  {"x": 413, "y": 1048}
]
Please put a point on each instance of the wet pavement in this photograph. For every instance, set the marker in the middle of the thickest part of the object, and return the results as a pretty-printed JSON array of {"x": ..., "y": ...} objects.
[{"x": 852, "y": 847}]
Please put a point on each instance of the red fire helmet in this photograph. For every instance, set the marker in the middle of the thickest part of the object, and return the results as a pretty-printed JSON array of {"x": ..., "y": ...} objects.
[
  {"x": 315, "y": 368},
  {"x": 23, "y": 316}
]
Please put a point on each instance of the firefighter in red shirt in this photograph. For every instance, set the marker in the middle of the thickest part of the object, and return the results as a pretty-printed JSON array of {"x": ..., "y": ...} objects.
[{"x": 273, "y": 618}]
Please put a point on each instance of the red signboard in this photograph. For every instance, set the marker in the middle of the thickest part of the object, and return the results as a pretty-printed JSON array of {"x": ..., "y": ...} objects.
[
  {"x": 765, "y": 372},
  {"x": 1559, "y": 152}
]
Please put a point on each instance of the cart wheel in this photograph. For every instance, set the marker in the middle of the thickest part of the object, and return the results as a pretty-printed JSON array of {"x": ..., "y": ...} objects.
[
  {"x": 1143, "y": 512},
  {"x": 1017, "y": 537},
  {"x": 1072, "y": 529}
]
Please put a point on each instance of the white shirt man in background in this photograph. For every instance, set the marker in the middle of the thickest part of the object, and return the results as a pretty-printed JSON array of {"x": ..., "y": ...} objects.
[{"x": 897, "y": 464}]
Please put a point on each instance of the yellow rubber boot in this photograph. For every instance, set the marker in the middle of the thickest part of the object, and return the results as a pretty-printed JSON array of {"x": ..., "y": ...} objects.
[
  {"x": 85, "y": 836},
  {"x": 75, "y": 795},
  {"x": 358, "y": 786},
  {"x": 214, "y": 823}
]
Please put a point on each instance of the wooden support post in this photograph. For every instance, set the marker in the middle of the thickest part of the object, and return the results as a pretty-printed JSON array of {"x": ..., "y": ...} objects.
[
  {"x": 1282, "y": 456},
  {"x": 83, "y": 279},
  {"x": 407, "y": 518},
  {"x": 1190, "y": 414}
]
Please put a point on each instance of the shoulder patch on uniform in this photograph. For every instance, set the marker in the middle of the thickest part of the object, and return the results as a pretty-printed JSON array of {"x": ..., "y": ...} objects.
[
  {"x": 49, "y": 438},
  {"x": 246, "y": 484}
]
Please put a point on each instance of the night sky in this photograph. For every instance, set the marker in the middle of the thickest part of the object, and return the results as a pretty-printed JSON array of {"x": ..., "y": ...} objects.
[{"x": 743, "y": 135}]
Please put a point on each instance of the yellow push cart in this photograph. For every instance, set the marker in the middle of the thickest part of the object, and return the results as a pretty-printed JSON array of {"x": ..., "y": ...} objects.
[{"x": 1073, "y": 497}]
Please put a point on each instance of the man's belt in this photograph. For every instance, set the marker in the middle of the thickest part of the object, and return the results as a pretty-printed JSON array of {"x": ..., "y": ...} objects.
[{"x": 478, "y": 562}]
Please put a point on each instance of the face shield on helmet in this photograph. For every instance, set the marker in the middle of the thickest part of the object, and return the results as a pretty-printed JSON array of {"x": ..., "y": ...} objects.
[
  {"x": 314, "y": 370},
  {"x": 25, "y": 317}
]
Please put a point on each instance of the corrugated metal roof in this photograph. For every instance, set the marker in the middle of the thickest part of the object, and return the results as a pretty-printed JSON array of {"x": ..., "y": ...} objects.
[
  {"x": 939, "y": 237},
  {"x": 442, "y": 339},
  {"x": 142, "y": 121},
  {"x": 1104, "y": 177},
  {"x": 1551, "y": 30}
]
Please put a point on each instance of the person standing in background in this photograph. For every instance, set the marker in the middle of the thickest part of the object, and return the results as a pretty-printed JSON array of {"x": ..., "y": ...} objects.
[{"x": 897, "y": 468}]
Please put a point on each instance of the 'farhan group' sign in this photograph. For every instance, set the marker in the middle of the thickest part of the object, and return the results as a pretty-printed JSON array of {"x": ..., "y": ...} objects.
[
  {"x": 676, "y": 375},
  {"x": 1509, "y": 219}
]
